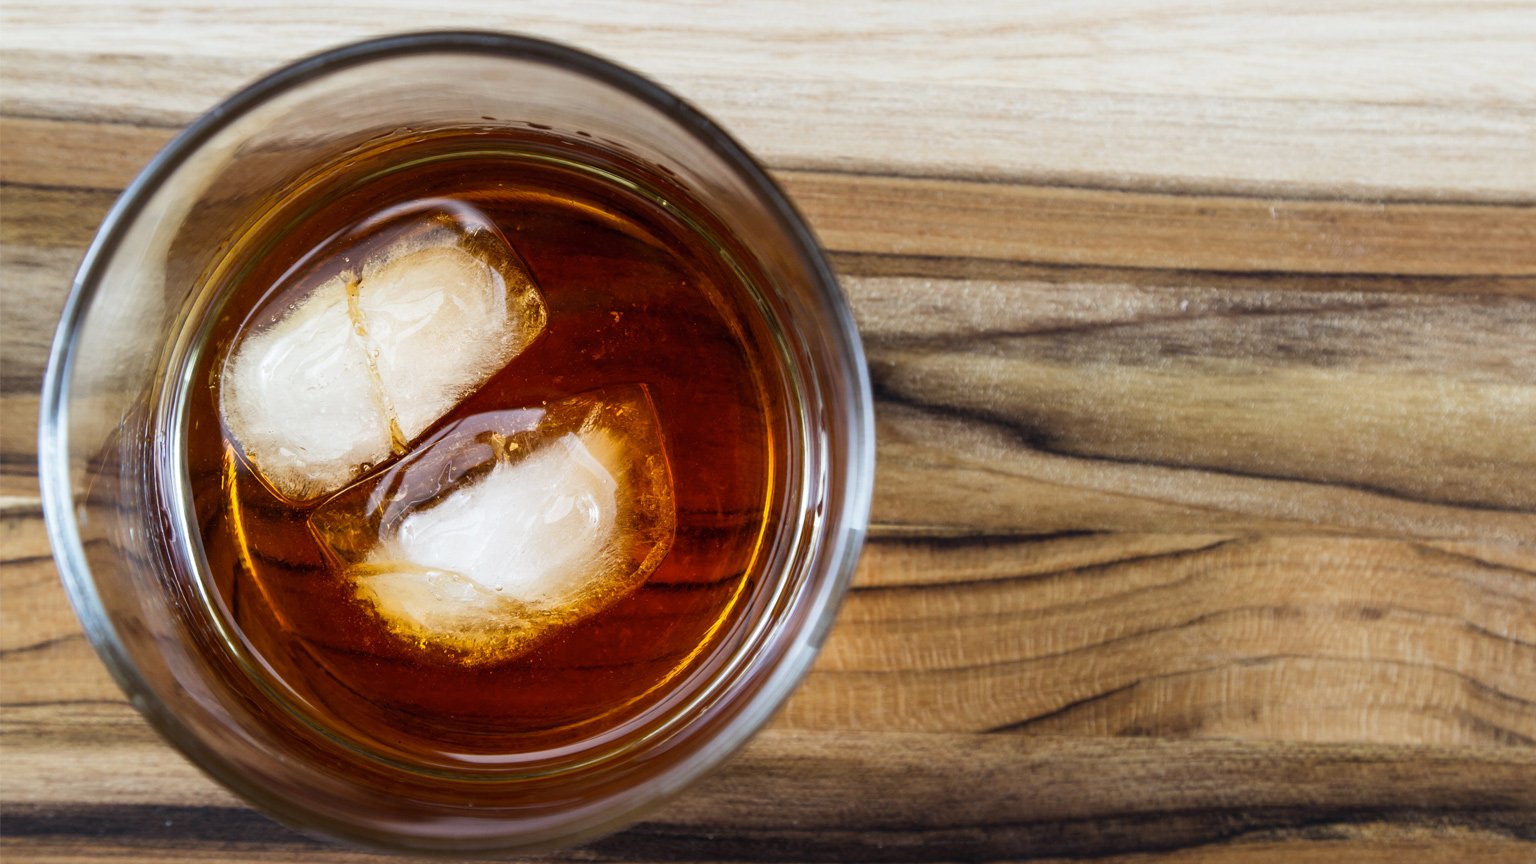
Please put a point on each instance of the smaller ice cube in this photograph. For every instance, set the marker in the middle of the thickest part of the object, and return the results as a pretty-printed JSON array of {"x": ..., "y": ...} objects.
[
  {"x": 443, "y": 311},
  {"x": 300, "y": 400},
  {"x": 508, "y": 524},
  {"x": 371, "y": 357}
]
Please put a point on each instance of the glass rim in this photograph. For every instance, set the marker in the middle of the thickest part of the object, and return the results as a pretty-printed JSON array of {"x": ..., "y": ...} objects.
[{"x": 846, "y": 526}]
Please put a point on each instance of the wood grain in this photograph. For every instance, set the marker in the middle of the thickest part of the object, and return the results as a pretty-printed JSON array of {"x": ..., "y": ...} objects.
[
  {"x": 940, "y": 797},
  {"x": 1204, "y": 342}
]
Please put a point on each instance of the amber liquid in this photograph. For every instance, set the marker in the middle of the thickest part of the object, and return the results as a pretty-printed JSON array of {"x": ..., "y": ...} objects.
[{"x": 636, "y": 292}]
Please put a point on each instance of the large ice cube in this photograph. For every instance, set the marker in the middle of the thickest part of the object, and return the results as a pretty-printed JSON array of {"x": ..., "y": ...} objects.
[
  {"x": 508, "y": 524},
  {"x": 370, "y": 358}
]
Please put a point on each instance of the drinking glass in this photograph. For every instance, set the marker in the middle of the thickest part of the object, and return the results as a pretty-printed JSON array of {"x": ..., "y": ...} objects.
[{"x": 115, "y": 486}]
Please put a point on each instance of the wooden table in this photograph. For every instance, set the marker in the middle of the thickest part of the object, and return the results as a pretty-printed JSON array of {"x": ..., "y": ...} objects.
[{"x": 1205, "y": 349}]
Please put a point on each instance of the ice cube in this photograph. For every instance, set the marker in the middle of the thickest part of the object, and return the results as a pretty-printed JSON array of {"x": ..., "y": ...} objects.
[
  {"x": 442, "y": 312},
  {"x": 506, "y": 525},
  {"x": 300, "y": 400},
  {"x": 370, "y": 358}
]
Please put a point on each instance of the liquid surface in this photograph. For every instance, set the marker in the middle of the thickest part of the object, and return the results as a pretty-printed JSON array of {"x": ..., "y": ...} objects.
[{"x": 637, "y": 300}]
